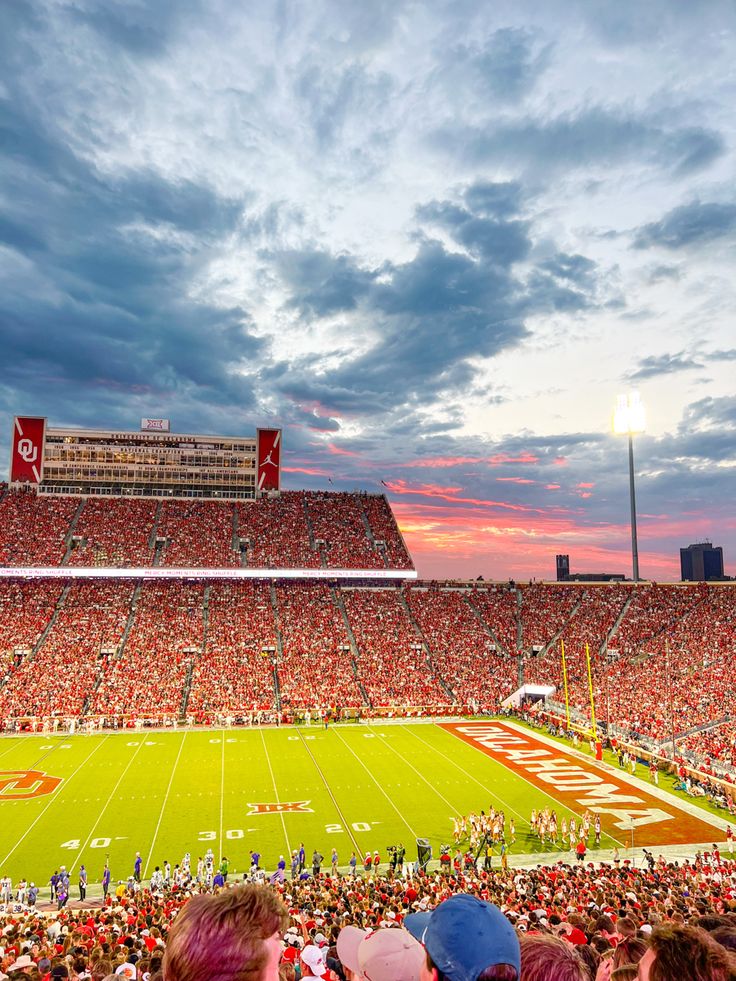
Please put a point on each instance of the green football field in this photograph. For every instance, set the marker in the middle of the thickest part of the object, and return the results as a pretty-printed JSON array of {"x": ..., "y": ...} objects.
[{"x": 166, "y": 793}]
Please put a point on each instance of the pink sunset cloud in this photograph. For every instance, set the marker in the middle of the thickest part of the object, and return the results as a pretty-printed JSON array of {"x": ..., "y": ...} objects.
[{"x": 497, "y": 460}]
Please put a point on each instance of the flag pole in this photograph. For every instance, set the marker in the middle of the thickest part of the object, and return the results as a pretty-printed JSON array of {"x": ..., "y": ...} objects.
[
  {"x": 590, "y": 686},
  {"x": 564, "y": 679}
]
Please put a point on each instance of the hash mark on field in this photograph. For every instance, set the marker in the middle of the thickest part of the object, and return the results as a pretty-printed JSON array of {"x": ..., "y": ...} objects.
[
  {"x": 163, "y": 806},
  {"x": 53, "y": 798},
  {"x": 422, "y": 777},
  {"x": 275, "y": 790},
  {"x": 222, "y": 789},
  {"x": 100, "y": 812},
  {"x": 350, "y": 749}
]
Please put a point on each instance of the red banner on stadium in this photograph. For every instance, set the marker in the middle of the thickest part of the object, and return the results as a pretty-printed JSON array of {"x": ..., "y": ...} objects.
[
  {"x": 26, "y": 460},
  {"x": 269, "y": 459}
]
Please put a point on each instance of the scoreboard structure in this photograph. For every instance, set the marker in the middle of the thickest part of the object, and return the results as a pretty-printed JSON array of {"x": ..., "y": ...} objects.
[{"x": 151, "y": 462}]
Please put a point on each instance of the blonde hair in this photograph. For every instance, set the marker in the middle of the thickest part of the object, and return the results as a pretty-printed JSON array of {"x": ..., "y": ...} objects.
[
  {"x": 550, "y": 959},
  {"x": 222, "y": 936}
]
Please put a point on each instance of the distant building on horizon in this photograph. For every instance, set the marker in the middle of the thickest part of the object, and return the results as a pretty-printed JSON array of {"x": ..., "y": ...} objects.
[
  {"x": 700, "y": 562},
  {"x": 564, "y": 575}
]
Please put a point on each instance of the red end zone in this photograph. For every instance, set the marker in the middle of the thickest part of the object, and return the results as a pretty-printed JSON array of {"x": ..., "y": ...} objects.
[{"x": 582, "y": 785}]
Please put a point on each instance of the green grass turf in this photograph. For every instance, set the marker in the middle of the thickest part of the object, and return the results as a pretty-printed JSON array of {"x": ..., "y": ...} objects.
[{"x": 165, "y": 793}]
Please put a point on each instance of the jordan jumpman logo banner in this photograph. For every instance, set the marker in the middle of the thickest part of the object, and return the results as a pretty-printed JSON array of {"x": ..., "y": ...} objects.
[{"x": 269, "y": 460}]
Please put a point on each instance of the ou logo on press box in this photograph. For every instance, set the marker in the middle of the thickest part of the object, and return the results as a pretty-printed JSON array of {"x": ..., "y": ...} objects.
[{"x": 27, "y": 450}]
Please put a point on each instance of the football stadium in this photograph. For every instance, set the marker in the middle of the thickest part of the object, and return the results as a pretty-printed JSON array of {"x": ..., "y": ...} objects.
[{"x": 208, "y": 677}]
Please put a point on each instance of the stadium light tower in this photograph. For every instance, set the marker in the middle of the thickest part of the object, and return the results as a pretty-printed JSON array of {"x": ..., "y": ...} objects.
[{"x": 629, "y": 418}]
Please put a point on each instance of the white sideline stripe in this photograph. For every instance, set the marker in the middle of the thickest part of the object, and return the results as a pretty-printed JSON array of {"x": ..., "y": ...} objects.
[
  {"x": 52, "y": 799},
  {"x": 109, "y": 799},
  {"x": 276, "y": 792},
  {"x": 349, "y": 748},
  {"x": 558, "y": 805},
  {"x": 222, "y": 791},
  {"x": 163, "y": 806},
  {"x": 23, "y": 739}
]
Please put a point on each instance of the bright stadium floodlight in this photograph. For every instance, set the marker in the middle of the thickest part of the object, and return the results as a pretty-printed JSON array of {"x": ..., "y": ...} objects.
[{"x": 629, "y": 418}]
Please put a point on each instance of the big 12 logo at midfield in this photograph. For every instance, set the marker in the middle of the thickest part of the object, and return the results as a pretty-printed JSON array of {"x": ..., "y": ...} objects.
[
  {"x": 24, "y": 784},
  {"x": 281, "y": 808}
]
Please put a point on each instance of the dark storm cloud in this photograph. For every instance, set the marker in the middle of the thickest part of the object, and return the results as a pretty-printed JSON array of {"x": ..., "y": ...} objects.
[
  {"x": 655, "y": 365},
  {"x": 322, "y": 284},
  {"x": 689, "y": 224},
  {"x": 506, "y": 66},
  {"x": 101, "y": 304},
  {"x": 596, "y": 135},
  {"x": 499, "y": 199},
  {"x": 433, "y": 315},
  {"x": 712, "y": 412},
  {"x": 139, "y": 28},
  {"x": 498, "y": 241}
]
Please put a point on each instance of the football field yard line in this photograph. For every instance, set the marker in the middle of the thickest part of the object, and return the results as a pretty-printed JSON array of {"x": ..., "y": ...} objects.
[
  {"x": 222, "y": 792},
  {"x": 163, "y": 806},
  {"x": 276, "y": 792},
  {"x": 80, "y": 851},
  {"x": 345, "y": 823},
  {"x": 52, "y": 799},
  {"x": 557, "y": 804},
  {"x": 421, "y": 776},
  {"x": 350, "y": 750},
  {"x": 14, "y": 744},
  {"x": 471, "y": 776}
]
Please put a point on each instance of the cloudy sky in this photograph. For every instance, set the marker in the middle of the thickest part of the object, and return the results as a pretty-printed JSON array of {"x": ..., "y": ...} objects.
[{"x": 433, "y": 241}]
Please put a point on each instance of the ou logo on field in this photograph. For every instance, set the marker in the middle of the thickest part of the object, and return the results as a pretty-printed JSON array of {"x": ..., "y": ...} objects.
[
  {"x": 27, "y": 450},
  {"x": 24, "y": 784}
]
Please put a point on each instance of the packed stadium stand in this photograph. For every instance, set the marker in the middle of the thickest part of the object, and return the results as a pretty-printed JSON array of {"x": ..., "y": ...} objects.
[
  {"x": 297, "y": 529},
  {"x": 661, "y": 656}
]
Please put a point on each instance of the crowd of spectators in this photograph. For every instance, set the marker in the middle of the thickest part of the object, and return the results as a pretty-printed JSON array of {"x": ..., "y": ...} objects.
[
  {"x": 498, "y": 607},
  {"x": 296, "y": 529},
  {"x": 114, "y": 532},
  {"x": 392, "y": 663},
  {"x": 86, "y": 634},
  {"x": 165, "y": 637},
  {"x": 463, "y": 653},
  {"x": 198, "y": 535},
  {"x": 567, "y": 923},
  {"x": 276, "y": 533},
  {"x": 384, "y": 528},
  {"x": 235, "y": 671},
  {"x": 423, "y": 644},
  {"x": 26, "y": 607},
  {"x": 32, "y": 529},
  {"x": 544, "y": 611},
  {"x": 339, "y": 525},
  {"x": 315, "y": 668}
]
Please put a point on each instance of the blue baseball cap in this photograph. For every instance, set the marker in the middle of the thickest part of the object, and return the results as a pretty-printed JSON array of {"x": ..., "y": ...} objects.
[{"x": 465, "y": 935}]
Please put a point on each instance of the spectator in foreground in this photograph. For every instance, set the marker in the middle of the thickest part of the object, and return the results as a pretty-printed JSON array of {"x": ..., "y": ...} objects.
[
  {"x": 233, "y": 936},
  {"x": 466, "y": 939},
  {"x": 550, "y": 959},
  {"x": 384, "y": 955},
  {"x": 679, "y": 952}
]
